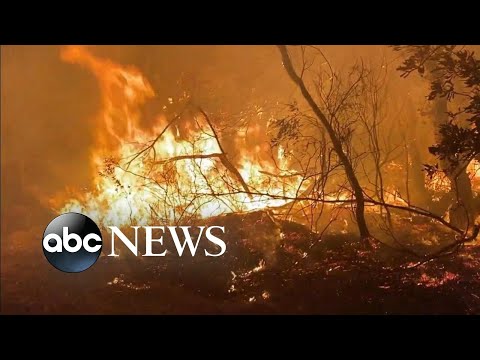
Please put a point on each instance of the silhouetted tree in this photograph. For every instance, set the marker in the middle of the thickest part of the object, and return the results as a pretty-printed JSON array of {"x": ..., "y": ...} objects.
[
  {"x": 452, "y": 71},
  {"x": 335, "y": 137}
]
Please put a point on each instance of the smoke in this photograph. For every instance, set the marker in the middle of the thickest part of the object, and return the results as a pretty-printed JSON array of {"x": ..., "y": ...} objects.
[{"x": 48, "y": 105}]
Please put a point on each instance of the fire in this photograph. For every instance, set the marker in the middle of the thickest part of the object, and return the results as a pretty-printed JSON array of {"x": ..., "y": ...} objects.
[
  {"x": 144, "y": 174},
  {"x": 170, "y": 178},
  {"x": 473, "y": 170},
  {"x": 440, "y": 183}
]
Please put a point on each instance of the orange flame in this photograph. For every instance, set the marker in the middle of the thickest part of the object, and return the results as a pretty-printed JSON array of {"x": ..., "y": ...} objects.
[{"x": 168, "y": 182}]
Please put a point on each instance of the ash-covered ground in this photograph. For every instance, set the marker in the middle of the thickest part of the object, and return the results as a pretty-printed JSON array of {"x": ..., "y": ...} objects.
[{"x": 270, "y": 267}]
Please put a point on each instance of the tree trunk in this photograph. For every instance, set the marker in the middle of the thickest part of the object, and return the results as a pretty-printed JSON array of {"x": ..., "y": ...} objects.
[
  {"x": 337, "y": 144},
  {"x": 418, "y": 191}
]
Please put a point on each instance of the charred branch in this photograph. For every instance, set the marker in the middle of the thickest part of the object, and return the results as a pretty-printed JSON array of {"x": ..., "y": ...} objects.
[
  {"x": 189, "y": 157},
  {"x": 225, "y": 161}
]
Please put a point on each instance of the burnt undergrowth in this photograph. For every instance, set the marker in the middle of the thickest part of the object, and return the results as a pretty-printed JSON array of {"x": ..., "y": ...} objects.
[{"x": 270, "y": 266}]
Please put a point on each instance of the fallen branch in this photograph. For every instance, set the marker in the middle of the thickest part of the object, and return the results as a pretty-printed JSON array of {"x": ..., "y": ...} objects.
[
  {"x": 448, "y": 248},
  {"x": 411, "y": 209}
]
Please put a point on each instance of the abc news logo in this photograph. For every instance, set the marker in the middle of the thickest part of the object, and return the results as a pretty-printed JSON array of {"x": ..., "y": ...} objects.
[{"x": 72, "y": 242}]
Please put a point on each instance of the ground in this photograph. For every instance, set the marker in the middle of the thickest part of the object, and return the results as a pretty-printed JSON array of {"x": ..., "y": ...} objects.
[{"x": 268, "y": 268}]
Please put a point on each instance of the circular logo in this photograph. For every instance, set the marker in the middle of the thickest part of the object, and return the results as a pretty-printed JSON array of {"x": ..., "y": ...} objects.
[{"x": 72, "y": 242}]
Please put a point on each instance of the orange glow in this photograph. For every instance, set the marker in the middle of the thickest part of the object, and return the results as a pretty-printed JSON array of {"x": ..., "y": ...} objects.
[
  {"x": 157, "y": 184},
  {"x": 473, "y": 171},
  {"x": 181, "y": 178}
]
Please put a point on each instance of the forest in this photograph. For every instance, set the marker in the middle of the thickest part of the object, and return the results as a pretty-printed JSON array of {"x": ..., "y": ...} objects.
[{"x": 347, "y": 178}]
